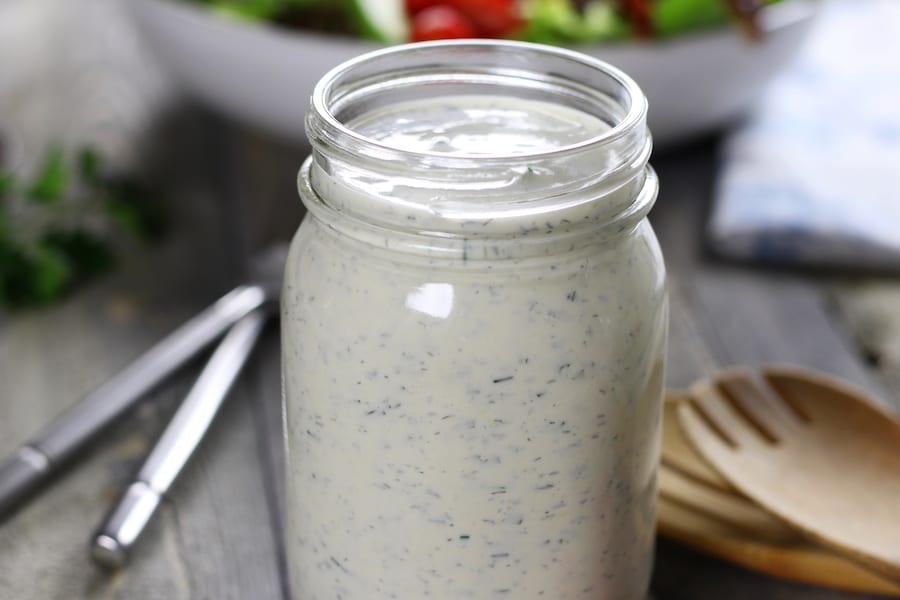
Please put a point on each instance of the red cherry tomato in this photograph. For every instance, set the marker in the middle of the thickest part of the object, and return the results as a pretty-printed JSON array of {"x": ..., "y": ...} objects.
[
  {"x": 441, "y": 23},
  {"x": 492, "y": 18},
  {"x": 414, "y": 7},
  {"x": 638, "y": 12}
]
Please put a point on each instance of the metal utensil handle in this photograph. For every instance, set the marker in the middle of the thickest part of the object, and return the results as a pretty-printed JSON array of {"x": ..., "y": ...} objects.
[
  {"x": 181, "y": 437},
  {"x": 39, "y": 458}
]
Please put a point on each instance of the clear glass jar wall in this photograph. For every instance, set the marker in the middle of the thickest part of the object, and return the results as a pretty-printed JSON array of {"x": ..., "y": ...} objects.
[{"x": 474, "y": 320}]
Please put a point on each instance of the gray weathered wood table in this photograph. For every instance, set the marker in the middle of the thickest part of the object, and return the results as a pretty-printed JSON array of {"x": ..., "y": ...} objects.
[{"x": 219, "y": 536}]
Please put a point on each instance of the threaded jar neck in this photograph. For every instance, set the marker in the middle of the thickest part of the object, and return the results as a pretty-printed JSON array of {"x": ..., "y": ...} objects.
[{"x": 586, "y": 176}]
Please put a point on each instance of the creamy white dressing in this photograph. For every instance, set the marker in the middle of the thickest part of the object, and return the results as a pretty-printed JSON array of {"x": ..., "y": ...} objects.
[
  {"x": 479, "y": 125},
  {"x": 471, "y": 427}
]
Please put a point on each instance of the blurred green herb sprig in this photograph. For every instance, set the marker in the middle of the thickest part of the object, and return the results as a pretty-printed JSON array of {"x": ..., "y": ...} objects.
[{"x": 65, "y": 224}]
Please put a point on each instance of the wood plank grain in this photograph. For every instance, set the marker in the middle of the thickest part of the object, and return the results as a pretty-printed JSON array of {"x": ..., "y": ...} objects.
[
  {"x": 684, "y": 574},
  {"x": 213, "y": 538},
  {"x": 260, "y": 193},
  {"x": 745, "y": 315},
  {"x": 265, "y": 377},
  {"x": 725, "y": 315},
  {"x": 871, "y": 306}
]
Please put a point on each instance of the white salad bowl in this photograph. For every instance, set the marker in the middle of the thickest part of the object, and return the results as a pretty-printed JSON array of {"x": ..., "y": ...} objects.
[{"x": 263, "y": 75}]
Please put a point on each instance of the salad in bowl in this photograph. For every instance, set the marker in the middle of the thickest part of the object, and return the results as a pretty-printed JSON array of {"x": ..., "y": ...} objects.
[
  {"x": 541, "y": 21},
  {"x": 701, "y": 63}
]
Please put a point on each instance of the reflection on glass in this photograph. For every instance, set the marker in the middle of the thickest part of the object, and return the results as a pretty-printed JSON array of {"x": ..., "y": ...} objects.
[{"x": 435, "y": 299}]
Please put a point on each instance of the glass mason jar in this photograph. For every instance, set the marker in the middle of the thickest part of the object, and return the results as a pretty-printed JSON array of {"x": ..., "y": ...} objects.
[{"x": 474, "y": 318}]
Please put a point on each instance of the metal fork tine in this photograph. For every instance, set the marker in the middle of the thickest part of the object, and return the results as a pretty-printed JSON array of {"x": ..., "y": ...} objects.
[{"x": 718, "y": 410}]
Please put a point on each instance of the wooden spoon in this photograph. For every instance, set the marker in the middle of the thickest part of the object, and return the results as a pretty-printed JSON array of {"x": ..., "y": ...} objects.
[
  {"x": 679, "y": 452},
  {"x": 810, "y": 450},
  {"x": 736, "y": 511},
  {"x": 694, "y": 509},
  {"x": 686, "y": 478},
  {"x": 800, "y": 561}
]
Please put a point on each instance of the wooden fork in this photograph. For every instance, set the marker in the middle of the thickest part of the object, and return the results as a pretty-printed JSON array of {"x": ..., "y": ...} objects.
[
  {"x": 810, "y": 450},
  {"x": 700, "y": 508},
  {"x": 685, "y": 478}
]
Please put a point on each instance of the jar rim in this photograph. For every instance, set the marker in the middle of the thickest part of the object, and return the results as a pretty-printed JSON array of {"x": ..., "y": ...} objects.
[{"x": 331, "y": 127}]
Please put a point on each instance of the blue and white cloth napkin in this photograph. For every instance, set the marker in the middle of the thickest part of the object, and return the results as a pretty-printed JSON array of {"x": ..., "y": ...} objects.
[{"x": 813, "y": 177}]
